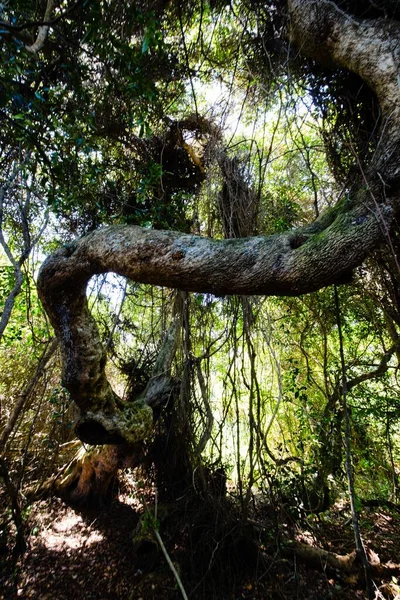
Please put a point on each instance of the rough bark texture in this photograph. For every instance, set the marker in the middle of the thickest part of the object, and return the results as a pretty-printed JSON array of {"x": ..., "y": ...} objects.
[
  {"x": 292, "y": 263},
  {"x": 367, "y": 47},
  {"x": 90, "y": 480}
]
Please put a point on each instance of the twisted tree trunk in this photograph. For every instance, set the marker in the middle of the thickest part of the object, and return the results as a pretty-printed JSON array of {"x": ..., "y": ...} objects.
[
  {"x": 291, "y": 263},
  {"x": 90, "y": 479}
]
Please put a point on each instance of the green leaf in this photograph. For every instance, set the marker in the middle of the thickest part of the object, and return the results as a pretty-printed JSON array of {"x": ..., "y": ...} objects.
[{"x": 145, "y": 45}]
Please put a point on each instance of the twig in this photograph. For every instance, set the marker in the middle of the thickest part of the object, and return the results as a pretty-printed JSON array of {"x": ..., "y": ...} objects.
[
  {"x": 165, "y": 552},
  {"x": 171, "y": 565}
]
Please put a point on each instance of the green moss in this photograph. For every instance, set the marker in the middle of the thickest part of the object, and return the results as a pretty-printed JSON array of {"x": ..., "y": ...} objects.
[{"x": 138, "y": 420}]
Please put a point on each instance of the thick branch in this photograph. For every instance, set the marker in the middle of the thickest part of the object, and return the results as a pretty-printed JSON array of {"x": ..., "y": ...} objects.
[
  {"x": 366, "y": 47},
  {"x": 134, "y": 422},
  {"x": 287, "y": 264},
  {"x": 343, "y": 563}
]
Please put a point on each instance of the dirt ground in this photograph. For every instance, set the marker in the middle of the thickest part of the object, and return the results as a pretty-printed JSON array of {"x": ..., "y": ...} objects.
[{"x": 85, "y": 555}]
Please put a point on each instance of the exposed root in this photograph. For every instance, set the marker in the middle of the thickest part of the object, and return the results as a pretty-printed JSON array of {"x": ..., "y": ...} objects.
[
  {"x": 90, "y": 479},
  {"x": 348, "y": 564}
]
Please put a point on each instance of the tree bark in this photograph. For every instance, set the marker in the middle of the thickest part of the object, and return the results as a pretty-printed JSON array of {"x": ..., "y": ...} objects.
[
  {"x": 292, "y": 263},
  {"x": 368, "y": 47},
  {"x": 90, "y": 479}
]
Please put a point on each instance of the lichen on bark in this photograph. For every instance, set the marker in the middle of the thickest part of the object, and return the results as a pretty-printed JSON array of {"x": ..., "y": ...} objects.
[{"x": 129, "y": 425}]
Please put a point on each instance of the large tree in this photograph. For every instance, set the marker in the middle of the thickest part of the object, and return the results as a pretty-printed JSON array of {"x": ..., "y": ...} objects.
[{"x": 291, "y": 263}]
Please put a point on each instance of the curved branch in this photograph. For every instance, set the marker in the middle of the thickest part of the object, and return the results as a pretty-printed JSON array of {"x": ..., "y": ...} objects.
[
  {"x": 368, "y": 47},
  {"x": 291, "y": 263},
  {"x": 287, "y": 264},
  {"x": 380, "y": 370},
  {"x": 43, "y": 30}
]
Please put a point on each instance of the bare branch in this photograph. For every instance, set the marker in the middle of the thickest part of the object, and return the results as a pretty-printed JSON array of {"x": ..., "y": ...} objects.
[
  {"x": 381, "y": 369},
  {"x": 43, "y": 30},
  {"x": 46, "y": 356}
]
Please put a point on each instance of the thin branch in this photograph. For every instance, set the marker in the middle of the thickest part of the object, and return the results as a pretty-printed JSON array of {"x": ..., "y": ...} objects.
[
  {"x": 165, "y": 552},
  {"x": 43, "y": 30},
  {"x": 171, "y": 565},
  {"x": 47, "y": 354},
  {"x": 209, "y": 414},
  {"x": 380, "y": 370},
  {"x": 187, "y": 60},
  {"x": 28, "y": 245},
  {"x": 349, "y": 470}
]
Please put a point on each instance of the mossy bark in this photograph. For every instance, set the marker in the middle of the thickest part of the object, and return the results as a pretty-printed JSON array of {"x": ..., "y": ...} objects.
[{"x": 90, "y": 480}]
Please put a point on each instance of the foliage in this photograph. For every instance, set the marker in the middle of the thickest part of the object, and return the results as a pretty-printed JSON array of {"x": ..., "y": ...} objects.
[{"x": 114, "y": 120}]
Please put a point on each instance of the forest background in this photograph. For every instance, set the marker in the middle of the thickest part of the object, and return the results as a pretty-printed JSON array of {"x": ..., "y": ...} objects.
[{"x": 202, "y": 118}]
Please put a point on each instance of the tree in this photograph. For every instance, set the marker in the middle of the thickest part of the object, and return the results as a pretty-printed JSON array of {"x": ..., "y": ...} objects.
[
  {"x": 291, "y": 263},
  {"x": 106, "y": 116}
]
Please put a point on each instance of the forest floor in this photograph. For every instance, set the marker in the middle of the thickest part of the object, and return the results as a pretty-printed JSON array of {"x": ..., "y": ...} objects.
[{"x": 86, "y": 555}]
